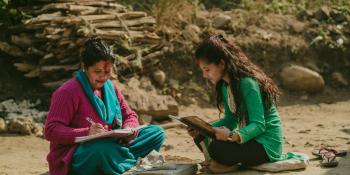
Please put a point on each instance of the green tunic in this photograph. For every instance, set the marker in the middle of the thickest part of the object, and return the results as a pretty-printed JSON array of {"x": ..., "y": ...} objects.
[{"x": 262, "y": 124}]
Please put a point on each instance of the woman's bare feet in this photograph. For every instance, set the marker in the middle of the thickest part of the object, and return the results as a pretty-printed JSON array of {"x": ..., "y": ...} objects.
[{"x": 216, "y": 168}]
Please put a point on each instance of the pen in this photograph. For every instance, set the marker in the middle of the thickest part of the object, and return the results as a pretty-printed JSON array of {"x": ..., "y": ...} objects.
[{"x": 90, "y": 120}]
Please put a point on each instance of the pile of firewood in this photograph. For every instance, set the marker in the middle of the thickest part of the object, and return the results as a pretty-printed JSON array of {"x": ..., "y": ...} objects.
[{"x": 47, "y": 46}]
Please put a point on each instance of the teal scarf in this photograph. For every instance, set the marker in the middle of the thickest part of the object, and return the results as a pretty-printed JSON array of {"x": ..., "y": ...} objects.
[{"x": 109, "y": 108}]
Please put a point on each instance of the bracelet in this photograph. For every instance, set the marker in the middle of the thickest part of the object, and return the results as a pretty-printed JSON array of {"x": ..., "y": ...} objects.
[{"x": 230, "y": 136}]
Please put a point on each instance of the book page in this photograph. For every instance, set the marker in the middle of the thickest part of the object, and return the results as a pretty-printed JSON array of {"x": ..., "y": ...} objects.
[{"x": 118, "y": 133}]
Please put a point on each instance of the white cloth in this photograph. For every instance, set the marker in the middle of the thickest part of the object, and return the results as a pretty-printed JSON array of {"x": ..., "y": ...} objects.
[{"x": 284, "y": 165}]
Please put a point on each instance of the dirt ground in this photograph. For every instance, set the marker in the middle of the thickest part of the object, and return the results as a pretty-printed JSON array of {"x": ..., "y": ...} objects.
[{"x": 307, "y": 125}]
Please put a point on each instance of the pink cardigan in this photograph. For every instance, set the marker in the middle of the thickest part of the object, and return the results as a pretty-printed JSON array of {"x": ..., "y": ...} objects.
[{"x": 66, "y": 120}]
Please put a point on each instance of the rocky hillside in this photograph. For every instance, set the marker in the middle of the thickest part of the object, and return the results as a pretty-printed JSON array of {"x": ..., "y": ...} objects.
[{"x": 306, "y": 51}]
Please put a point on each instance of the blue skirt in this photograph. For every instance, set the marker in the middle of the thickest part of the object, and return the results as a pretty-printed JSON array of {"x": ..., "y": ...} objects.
[{"x": 107, "y": 156}]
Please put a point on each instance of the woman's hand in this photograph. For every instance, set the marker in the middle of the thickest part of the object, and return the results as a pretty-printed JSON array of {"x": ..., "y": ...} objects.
[
  {"x": 129, "y": 139},
  {"x": 97, "y": 128},
  {"x": 192, "y": 132},
  {"x": 222, "y": 133}
]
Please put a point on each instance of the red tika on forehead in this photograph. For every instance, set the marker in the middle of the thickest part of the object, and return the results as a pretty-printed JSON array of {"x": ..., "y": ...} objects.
[{"x": 107, "y": 64}]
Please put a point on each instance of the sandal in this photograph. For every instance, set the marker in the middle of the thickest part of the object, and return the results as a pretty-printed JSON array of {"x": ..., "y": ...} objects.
[
  {"x": 217, "y": 168},
  {"x": 328, "y": 160},
  {"x": 321, "y": 151}
]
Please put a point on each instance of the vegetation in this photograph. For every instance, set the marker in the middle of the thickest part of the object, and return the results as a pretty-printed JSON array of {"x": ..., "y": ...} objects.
[
  {"x": 9, "y": 14},
  {"x": 292, "y": 6}
]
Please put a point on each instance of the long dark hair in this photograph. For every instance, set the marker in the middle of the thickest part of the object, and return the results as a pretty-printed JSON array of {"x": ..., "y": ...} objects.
[{"x": 237, "y": 66}]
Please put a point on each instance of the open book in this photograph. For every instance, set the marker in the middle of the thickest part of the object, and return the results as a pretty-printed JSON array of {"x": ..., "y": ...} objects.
[
  {"x": 117, "y": 133},
  {"x": 196, "y": 123}
]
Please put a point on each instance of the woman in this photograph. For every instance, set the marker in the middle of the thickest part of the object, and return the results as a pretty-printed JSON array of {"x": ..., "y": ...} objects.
[
  {"x": 250, "y": 132},
  {"x": 89, "y": 104}
]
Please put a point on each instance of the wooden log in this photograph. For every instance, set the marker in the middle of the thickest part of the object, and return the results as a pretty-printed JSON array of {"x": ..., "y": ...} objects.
[
  {"x": 49, "y": 1},
  {"x": 23, "y": 40},
  {"x": 65, "y": 6},
  {"x": 115, "y": 6},
  {"x": 24, "y": 67},
  {"x": 99, "y": 17},
  {"x": 35, "y": 51},
  {"x": 46, "y": 17},
  {"x": 54, "y": 84},
  {"x": 112, "y": 34},
  {"x": 55, "y": 68},
  {"x": 10, "y": 49},
  {"x": 135, "y": 22},
  {"x": 48, "y": 30},
  {"x": 34, "y": 73},
  {"x": 125, "y": 15}
]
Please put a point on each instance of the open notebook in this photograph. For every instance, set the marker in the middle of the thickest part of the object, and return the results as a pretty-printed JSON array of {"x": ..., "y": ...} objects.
[
  {"x": 117, "y": 133},
  {"x": 197, "y": 123}
]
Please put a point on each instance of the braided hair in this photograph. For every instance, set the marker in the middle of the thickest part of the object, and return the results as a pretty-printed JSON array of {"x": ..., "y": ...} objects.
[
  {"x": 237, "y": 66},
  {"x": 95, "y": 50}
]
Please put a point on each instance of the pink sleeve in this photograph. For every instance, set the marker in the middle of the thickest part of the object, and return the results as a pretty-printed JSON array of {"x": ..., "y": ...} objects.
[
  {"x": 62, "y": 109},
  {"x": 130, "y": 118}
]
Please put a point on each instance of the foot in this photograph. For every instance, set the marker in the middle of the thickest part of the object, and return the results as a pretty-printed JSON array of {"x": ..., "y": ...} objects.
[{"x": 216, "y": 168}]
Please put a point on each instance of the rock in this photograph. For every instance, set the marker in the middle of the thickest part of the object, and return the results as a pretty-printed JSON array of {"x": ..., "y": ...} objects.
[
  {"x": 145, "y": 119},
  {"x": 21, "y": 125},
  {"x": 299, "y": 78},
  {"x": 37, "y": 130},
  {"x": 337, "y": 16},
  {"x": 304, "y": 15},
  {"x": 339, "y": 80},
  {"x": 297, "y": 27},
  {"x": 221, "y": 21},
  {"x": 148, "y": 102},
  {"x": 192, "y": 33},
  {"x": 202, "y": 19},
  {"x": 322, "y": 14},
  {"x": 145, "y": 84},
  {"x": 159, "y": 77},
  {"x": 2, "y": 125}
]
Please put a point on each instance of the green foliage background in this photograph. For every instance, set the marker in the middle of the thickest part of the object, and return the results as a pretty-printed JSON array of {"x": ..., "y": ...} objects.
[{"x": 9, "y": 14}]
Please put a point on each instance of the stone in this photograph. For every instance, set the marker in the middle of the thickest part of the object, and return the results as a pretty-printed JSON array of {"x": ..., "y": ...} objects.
[
  {"x": 337, "y": 16},
  {"x": 221, "y": 21},
  {"x": 21, "y": 125},
  {"x": 192, "y": 33},
  {"x": 148, "y": 101},
  {"x": 201, "y": 18},
  {"x": 159, "y": 77},
  {"x": 322, "y": 14},
  {"x": 145, "y": 119},
  {"x": 3, "y": 127},
  {"x": 298, "y": 78}
]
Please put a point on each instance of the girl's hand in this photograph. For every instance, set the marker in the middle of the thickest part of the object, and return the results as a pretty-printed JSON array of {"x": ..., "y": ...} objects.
[
  {"x": 222, "y": 133},
  {"x": 96, "y": 128},
  {"x": 192, "y": 132}
]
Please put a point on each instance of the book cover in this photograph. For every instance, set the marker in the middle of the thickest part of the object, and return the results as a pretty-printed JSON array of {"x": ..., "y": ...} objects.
[{"x": 197, "y": 123}]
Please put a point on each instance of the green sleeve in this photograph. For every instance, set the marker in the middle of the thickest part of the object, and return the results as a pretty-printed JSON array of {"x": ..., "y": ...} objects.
[
  {"x": 218, "y": 123},
  {"x": 255, "y": 110}
]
